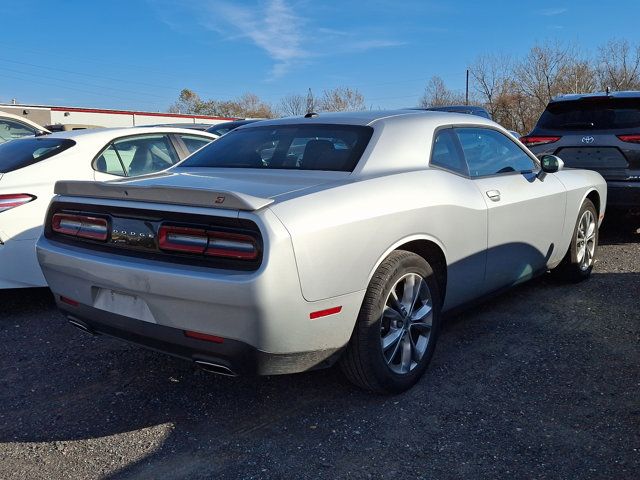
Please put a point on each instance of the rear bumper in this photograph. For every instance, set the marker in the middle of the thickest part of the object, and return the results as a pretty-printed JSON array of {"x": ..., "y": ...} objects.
[
  {"x": 262, "y": 311},
  {"x": 623, "y": 194},
  {"x": 235, "y": 357}
]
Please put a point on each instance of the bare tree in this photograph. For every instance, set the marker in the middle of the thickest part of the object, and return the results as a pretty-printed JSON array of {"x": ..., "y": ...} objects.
[
  {"x": 541, "y": 72},
  {"x": 619, "y": 65},
  {"x": 247, "y": 105},
  {"x": 437, "y": 94},
  {"x": 491, "y": 75},
  {"x": 188, "y": 102},
  {"x": 341, "y": 99},
  {"x": 293, "y": 105}
]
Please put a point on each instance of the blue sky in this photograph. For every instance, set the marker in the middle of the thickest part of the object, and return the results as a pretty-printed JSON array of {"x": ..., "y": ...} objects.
[{"x": 138, "y": 54}]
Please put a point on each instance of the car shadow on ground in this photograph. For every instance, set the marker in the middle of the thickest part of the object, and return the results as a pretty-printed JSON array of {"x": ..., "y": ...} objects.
[
  {"x": 517, "y": 371},
  {"x": 620, "y": 227}
]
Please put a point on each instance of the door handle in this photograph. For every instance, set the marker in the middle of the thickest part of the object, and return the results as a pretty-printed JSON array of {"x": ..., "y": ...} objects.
[{"x": 494, "y": 195}]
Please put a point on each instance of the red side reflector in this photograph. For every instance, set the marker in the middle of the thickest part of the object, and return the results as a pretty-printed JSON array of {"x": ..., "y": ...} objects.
[
  {"x": 14, "y": 200},
  {"x": 629, "y": 138},
  {"x": 537, "y": 140},
  {"x": 69, "y": 301},
  {"x": 203, "y": 336},
  {"x": 324, "y": 313}
]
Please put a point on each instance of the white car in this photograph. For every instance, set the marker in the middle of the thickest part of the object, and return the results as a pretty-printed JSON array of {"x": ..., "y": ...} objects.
[
  {"x": 13, "y": 126},
  {"x": 290, "y": 244},
  {"x": 29, "y": 168}
]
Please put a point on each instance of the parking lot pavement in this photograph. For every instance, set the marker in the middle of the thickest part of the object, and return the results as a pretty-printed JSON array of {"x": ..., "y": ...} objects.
[{"x": 542, "y": 382}]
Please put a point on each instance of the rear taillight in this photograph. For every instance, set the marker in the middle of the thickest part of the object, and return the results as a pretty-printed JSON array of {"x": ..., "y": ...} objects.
[
  {"x": 208, "y": 242},
  {"x": 93, "y": 228},
  {"x": 14, "y": 200},
  {"x": 532, "y": 141},
  {"x": 629, "y": 138}
]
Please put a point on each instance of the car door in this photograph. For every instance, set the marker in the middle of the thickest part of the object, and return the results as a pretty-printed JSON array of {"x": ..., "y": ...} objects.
[
  {"x": 135, "y": 155},
  {"x": 466, "y": 212},
  {"x": 525, "y": 211}
]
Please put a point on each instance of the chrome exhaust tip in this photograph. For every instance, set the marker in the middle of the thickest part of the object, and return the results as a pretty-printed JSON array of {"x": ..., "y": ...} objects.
[
  {"x": 215, "y": 368},
  {"x": 81, "y": 325}
]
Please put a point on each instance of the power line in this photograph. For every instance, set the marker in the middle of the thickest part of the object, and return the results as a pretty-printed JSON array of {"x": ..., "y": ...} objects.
[{"x": 134, "y": 92}]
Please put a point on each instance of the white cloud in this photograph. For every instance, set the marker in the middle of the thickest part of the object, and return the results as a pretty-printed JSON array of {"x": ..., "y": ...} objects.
[
  {"x": 277, "y": 27},
  {"x": 552, "y": 12}
]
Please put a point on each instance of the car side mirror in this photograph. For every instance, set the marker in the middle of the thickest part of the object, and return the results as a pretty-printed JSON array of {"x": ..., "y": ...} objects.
[{"x": 551, "y": 163}]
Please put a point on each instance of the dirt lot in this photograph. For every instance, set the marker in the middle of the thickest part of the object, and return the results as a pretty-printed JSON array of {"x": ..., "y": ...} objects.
[{"x": 542, "y": 382}]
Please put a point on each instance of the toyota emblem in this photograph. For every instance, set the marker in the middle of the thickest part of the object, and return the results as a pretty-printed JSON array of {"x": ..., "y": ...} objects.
[{"x": 588, "y": 139}]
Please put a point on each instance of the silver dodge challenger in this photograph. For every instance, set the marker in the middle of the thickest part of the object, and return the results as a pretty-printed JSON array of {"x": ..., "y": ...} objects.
[{"x": 294, "y": 244}]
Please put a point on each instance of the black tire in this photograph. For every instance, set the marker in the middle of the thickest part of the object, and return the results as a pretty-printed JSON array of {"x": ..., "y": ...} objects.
[
  {"x": 571, "y": 269},
  {"x": 363, "y": 362}
]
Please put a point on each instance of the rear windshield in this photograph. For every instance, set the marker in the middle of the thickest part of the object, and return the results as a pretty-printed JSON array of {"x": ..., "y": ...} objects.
[
  {"x": 298, "y": 147},
  {"x": 27, "y": 151},
  {"x": 593, "y": 113}
]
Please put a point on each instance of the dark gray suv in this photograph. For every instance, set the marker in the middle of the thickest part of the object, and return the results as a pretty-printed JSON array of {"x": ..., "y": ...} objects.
[{"x": 596, "y": 131}]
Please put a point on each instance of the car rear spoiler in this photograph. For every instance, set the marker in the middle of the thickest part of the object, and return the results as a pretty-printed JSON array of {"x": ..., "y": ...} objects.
[{"x": 192, "y": 197}]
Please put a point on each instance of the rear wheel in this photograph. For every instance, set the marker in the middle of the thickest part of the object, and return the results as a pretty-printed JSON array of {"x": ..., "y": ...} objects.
[
  {"x": 578, "y": 263},
  {"x": 396, "y": 331}
]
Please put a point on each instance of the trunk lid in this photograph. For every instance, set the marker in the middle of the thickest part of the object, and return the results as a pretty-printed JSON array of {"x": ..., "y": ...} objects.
[{"x": 204, "y": 187}]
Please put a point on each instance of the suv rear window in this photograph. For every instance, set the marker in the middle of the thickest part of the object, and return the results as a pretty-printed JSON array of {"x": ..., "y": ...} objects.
[
  {"x": 592, "y": 113},
  {"x": 298, "y": 147},
  {"x": 23, "y": 152}
]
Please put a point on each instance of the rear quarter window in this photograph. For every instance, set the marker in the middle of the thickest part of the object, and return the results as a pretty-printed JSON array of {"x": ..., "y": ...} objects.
[{"x": 21, "y": 153}]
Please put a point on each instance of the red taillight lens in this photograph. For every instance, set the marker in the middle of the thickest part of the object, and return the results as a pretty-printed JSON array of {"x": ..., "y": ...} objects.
[
  {"x": 14, "y": 200},
  {"x": 181, "y": 239},
  {"x": 93, "y": 228},
  {"x": 208, "y": 242},
  {"x": 630, "y": 138},
  {"x": 532, "y": 141},
  {"x": 232, "y": 245}
]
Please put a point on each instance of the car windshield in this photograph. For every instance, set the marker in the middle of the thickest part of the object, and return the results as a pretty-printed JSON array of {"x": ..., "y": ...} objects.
[
  {"x": 298, "y": 147},
  {"x": 27, "y": 151},
  {"x": 593, "y": 113}
]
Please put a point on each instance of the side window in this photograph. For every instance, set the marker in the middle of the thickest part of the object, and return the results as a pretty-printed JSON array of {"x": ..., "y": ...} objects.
[
  {"x": 109, "y": 162},
  {"x": 145, "y": 154},
  {"x": 489, "y": 152},
  {"x": 10, "y": 130},
  {"x": 194, "y": 142},
  {"x": 446, "y": 152}
]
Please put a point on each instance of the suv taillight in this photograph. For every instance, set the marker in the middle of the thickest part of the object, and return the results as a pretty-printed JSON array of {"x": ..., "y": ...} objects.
[
  {"x": 532, "y": 141},
  {"x": 629, "y": 138},
  {"x": 14, "y": 200},
  {"x": 208, "y": 242},
  {"x": 83, "y": 226}
]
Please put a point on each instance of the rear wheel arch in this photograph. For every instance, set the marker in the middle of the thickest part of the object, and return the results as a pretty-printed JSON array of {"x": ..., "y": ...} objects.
[
  {"x": 594, "y": 196},
  {"x": 428, "y": 248}
]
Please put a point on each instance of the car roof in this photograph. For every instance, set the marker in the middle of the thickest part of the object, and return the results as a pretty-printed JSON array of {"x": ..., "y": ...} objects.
[
  {"x": 104, "y": 134},
  {"x": 369, "y": 117},
  {"x": 572, "y": 97},
  {"x": 11, "y": 116}
]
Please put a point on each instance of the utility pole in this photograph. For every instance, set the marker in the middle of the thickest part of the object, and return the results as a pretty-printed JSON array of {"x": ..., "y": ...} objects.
[
  {"x": 310, "y": 102},
  {"x": 466, "y": 95}
]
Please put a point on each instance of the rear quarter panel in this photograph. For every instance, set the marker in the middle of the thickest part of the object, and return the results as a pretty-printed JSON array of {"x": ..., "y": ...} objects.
[
  {"x": 579, "y": 184},
  {"x": 340, "y": 235}
]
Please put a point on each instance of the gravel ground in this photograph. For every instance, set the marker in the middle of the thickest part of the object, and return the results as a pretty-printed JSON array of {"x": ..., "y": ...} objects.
[{"x": 541, "y": 382}]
